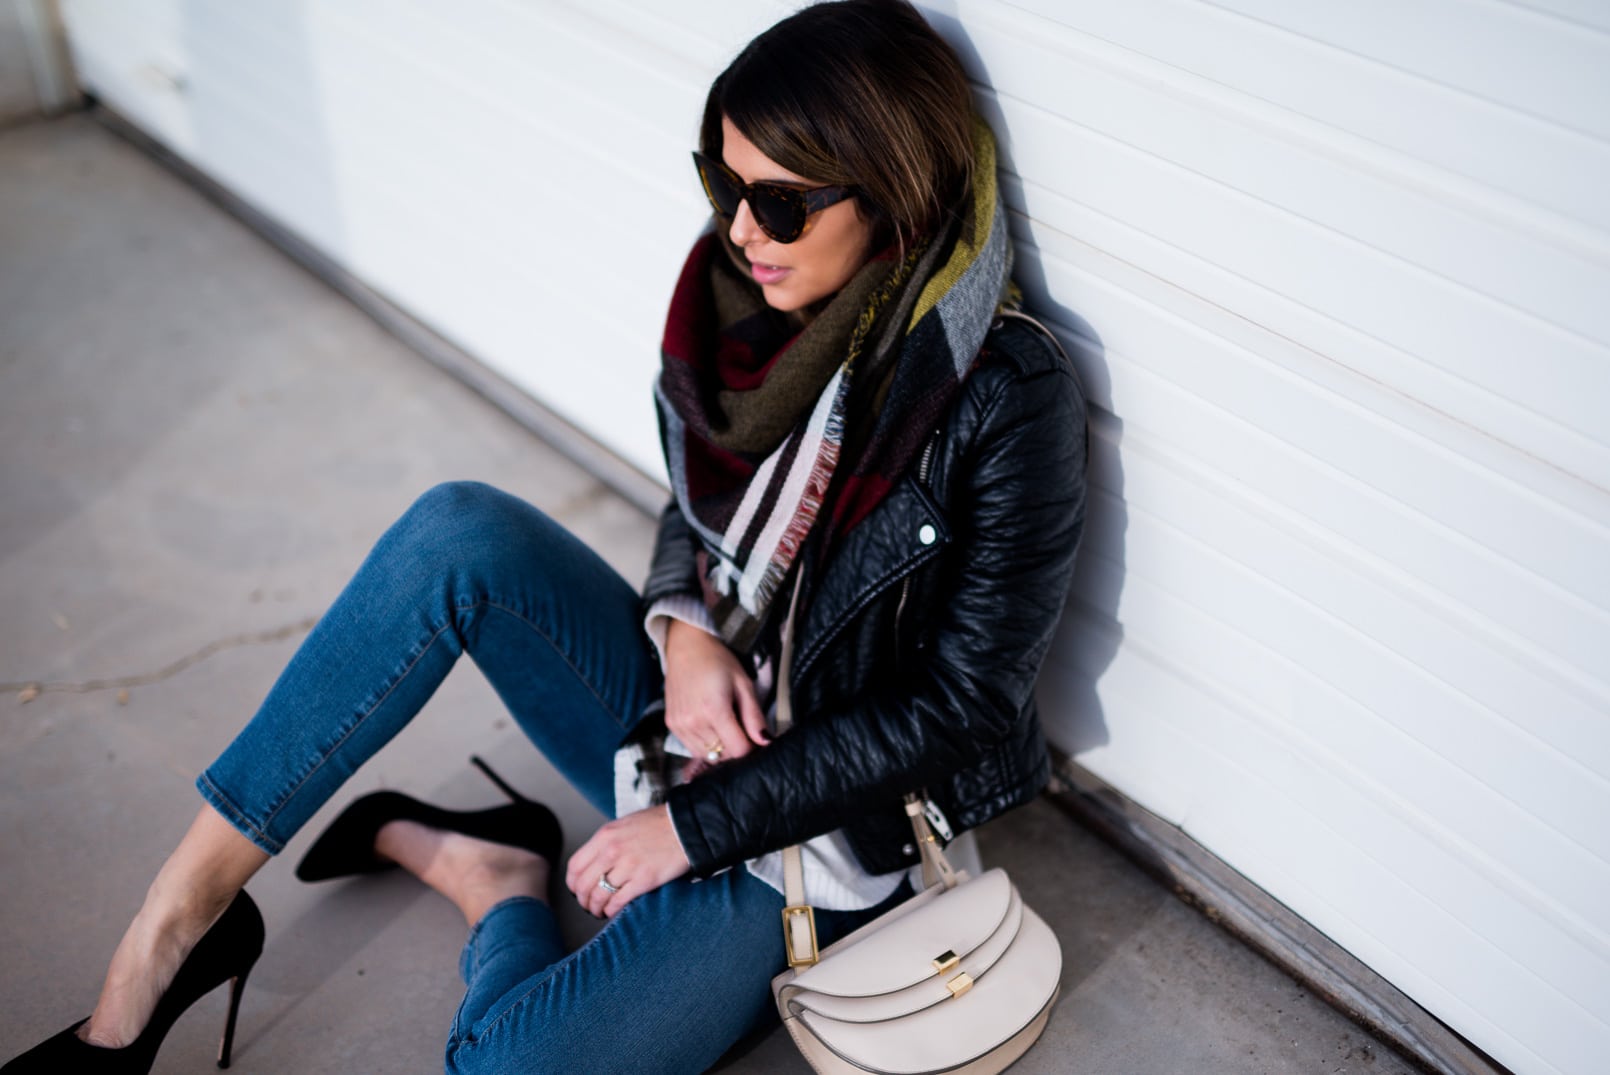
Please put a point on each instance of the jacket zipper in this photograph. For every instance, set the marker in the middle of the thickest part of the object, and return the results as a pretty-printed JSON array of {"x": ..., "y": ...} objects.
[{"x": 905, "y": 585}]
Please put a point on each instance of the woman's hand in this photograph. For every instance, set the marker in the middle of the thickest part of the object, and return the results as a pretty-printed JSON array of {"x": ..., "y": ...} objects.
[
  {"x": 636, "y": 853},
  {"x": 709, "y": 698}
]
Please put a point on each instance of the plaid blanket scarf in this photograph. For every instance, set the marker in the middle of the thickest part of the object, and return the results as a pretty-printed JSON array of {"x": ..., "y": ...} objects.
[{"x": 771, "y": 430}]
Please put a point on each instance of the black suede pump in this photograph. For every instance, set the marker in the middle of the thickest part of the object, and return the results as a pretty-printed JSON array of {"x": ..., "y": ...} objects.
[
  {"x": 347, "y": 847},
  {"x": 226, "y": 953}
]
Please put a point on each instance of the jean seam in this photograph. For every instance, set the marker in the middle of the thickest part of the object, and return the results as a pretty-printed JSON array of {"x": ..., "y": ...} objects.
[
  {"x": 553, "y": 971},
  {"x": 231, "y": 812},
  {"x": 328, "y": 752},
  {"x": 475, "y": 930},
  {"x": 475, "y": 1037},
  {"x": 471, "y": 949}
]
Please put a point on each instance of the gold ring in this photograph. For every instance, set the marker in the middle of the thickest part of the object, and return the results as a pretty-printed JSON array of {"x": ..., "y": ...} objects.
[{"x": 712, "y": 752}]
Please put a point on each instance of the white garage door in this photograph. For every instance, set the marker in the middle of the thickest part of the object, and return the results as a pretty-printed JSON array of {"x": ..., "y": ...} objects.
[{"x": 1338, "y": 278}]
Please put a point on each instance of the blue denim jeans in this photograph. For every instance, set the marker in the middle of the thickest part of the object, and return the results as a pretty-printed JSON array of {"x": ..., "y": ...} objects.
[{"x": 682, "y": 972}]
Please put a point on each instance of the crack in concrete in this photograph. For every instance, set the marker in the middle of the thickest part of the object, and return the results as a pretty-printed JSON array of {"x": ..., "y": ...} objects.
[{"x": 28, "y": 690}]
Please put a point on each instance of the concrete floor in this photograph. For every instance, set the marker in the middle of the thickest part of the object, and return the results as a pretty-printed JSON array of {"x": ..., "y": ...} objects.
[{"x": 198, "y": 442}]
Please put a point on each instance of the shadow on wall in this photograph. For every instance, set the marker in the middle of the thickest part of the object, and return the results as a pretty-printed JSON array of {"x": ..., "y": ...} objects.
[{"x": 1088, "y": 638}]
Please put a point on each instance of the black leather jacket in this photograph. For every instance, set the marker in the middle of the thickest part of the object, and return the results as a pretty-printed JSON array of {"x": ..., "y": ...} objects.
[{"x": 918, "y": 645}]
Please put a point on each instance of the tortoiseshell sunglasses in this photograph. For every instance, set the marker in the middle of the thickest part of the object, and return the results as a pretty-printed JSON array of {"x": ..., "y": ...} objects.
[{"x": 779, "y": 210}]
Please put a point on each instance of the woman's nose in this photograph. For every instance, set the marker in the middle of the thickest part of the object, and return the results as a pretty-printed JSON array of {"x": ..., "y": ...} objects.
[{"x": 744, "y": 230}]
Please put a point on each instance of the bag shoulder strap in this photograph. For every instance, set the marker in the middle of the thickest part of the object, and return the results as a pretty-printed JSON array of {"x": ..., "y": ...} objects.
[{"x": 799, "y": 918}]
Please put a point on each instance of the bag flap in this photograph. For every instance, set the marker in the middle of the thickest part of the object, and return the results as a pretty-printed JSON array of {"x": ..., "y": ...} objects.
[
  {"x": 934, "y": 989},
  {"x": 1010, "y": 999},
  {"x": 902, "y": 952}
]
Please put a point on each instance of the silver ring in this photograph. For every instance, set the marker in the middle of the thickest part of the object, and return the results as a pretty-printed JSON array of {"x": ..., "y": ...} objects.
[{"x": 603, "y": 883}]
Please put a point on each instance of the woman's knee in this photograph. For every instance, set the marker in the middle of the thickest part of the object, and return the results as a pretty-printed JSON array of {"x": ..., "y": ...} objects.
[
  {"x": 461, "y": 522},
  {"x": 457, "y": 504},
  {"x": 478, "y": 540}
]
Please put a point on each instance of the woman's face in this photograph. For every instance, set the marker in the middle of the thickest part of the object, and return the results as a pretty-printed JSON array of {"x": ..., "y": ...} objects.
[{"x": 836, "y": 242}]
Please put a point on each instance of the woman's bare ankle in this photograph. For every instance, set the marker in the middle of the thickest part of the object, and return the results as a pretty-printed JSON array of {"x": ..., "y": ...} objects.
[
  {"x": 181, "y": 911},
  {"x": 194, "y": 886},
  {"x": 474, "y": 874},
  {"x": 143, "y": 964},
  {"x": 521, "y": 874}
]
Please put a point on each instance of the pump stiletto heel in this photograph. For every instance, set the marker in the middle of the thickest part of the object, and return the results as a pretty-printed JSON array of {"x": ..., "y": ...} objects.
[
  {"x": 347, "y": 847},
  {"x": 226, "y": 953},
  {"x": 237, "y": 986}
]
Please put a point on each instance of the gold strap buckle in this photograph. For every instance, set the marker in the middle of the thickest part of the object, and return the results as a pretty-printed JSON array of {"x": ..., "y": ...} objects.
[{"x": 791, "y": 915}]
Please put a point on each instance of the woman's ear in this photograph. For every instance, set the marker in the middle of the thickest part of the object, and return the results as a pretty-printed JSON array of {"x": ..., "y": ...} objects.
[{"x": 883, "y": 232}]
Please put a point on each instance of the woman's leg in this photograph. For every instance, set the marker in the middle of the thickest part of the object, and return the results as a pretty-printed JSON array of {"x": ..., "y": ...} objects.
[
  {"x": 669, "y": 985},
  {"x": 466, "y": 568},
  {"x": 556, "y": 631}
]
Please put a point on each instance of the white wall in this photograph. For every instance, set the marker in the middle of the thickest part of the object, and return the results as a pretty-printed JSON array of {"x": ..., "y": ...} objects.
[
  {"x": 1343, "y": 270},
  {"x": 1336, "y": 277}
]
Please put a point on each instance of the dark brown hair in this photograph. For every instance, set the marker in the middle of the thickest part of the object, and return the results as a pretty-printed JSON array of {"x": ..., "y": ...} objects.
[{"x": 862, "y": 93}]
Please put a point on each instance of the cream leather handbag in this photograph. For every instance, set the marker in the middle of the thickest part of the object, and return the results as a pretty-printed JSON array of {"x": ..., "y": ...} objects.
[{"x": 959, "y": 978}]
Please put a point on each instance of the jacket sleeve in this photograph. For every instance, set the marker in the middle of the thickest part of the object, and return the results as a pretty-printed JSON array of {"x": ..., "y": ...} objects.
[
  {"x": 1017, "y": 514},
  {"x": 673, "y": 571}
]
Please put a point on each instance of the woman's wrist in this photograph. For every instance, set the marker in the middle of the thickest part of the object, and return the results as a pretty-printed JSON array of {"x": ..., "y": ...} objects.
[{"x": 681, "y": 635}]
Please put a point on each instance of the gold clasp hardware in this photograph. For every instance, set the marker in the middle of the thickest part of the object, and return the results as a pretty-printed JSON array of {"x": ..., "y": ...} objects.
[
  {"x": 945, "y": 961},
  {"x": 790, "y": 915},
  {"x": 959, "y": 984}
]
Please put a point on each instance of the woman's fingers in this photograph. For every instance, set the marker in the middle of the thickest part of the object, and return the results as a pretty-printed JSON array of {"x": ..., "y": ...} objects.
[
  {"x": 655, "y": 856},
  {"x": 645, "y": 881},
  {"x": 709, "y": 698},
  {"x": 591, "y": 863},
  {"x": 612, "y": 905},
  {"x": 712, "y": 733},
  {"x": 749, "y": 713},
  {"x": 636, "y": 853},
  {"x": 729, "y": 733},
  {"x": 581, "y": 872},
  {"x": 598, "y": 896},
  {"x": 713, "y": 725},
  {"x": 741, "y": 726}
]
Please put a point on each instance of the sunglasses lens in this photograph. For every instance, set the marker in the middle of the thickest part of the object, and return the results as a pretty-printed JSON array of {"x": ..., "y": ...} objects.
[
  {"x": 727, "y": 200},
  {"x": 724, "y": 197},
  {"x": 779, "y": 211}
]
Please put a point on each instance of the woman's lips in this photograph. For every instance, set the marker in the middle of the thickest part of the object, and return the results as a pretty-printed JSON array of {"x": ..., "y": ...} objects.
[{"x": 767, "y": 274}]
